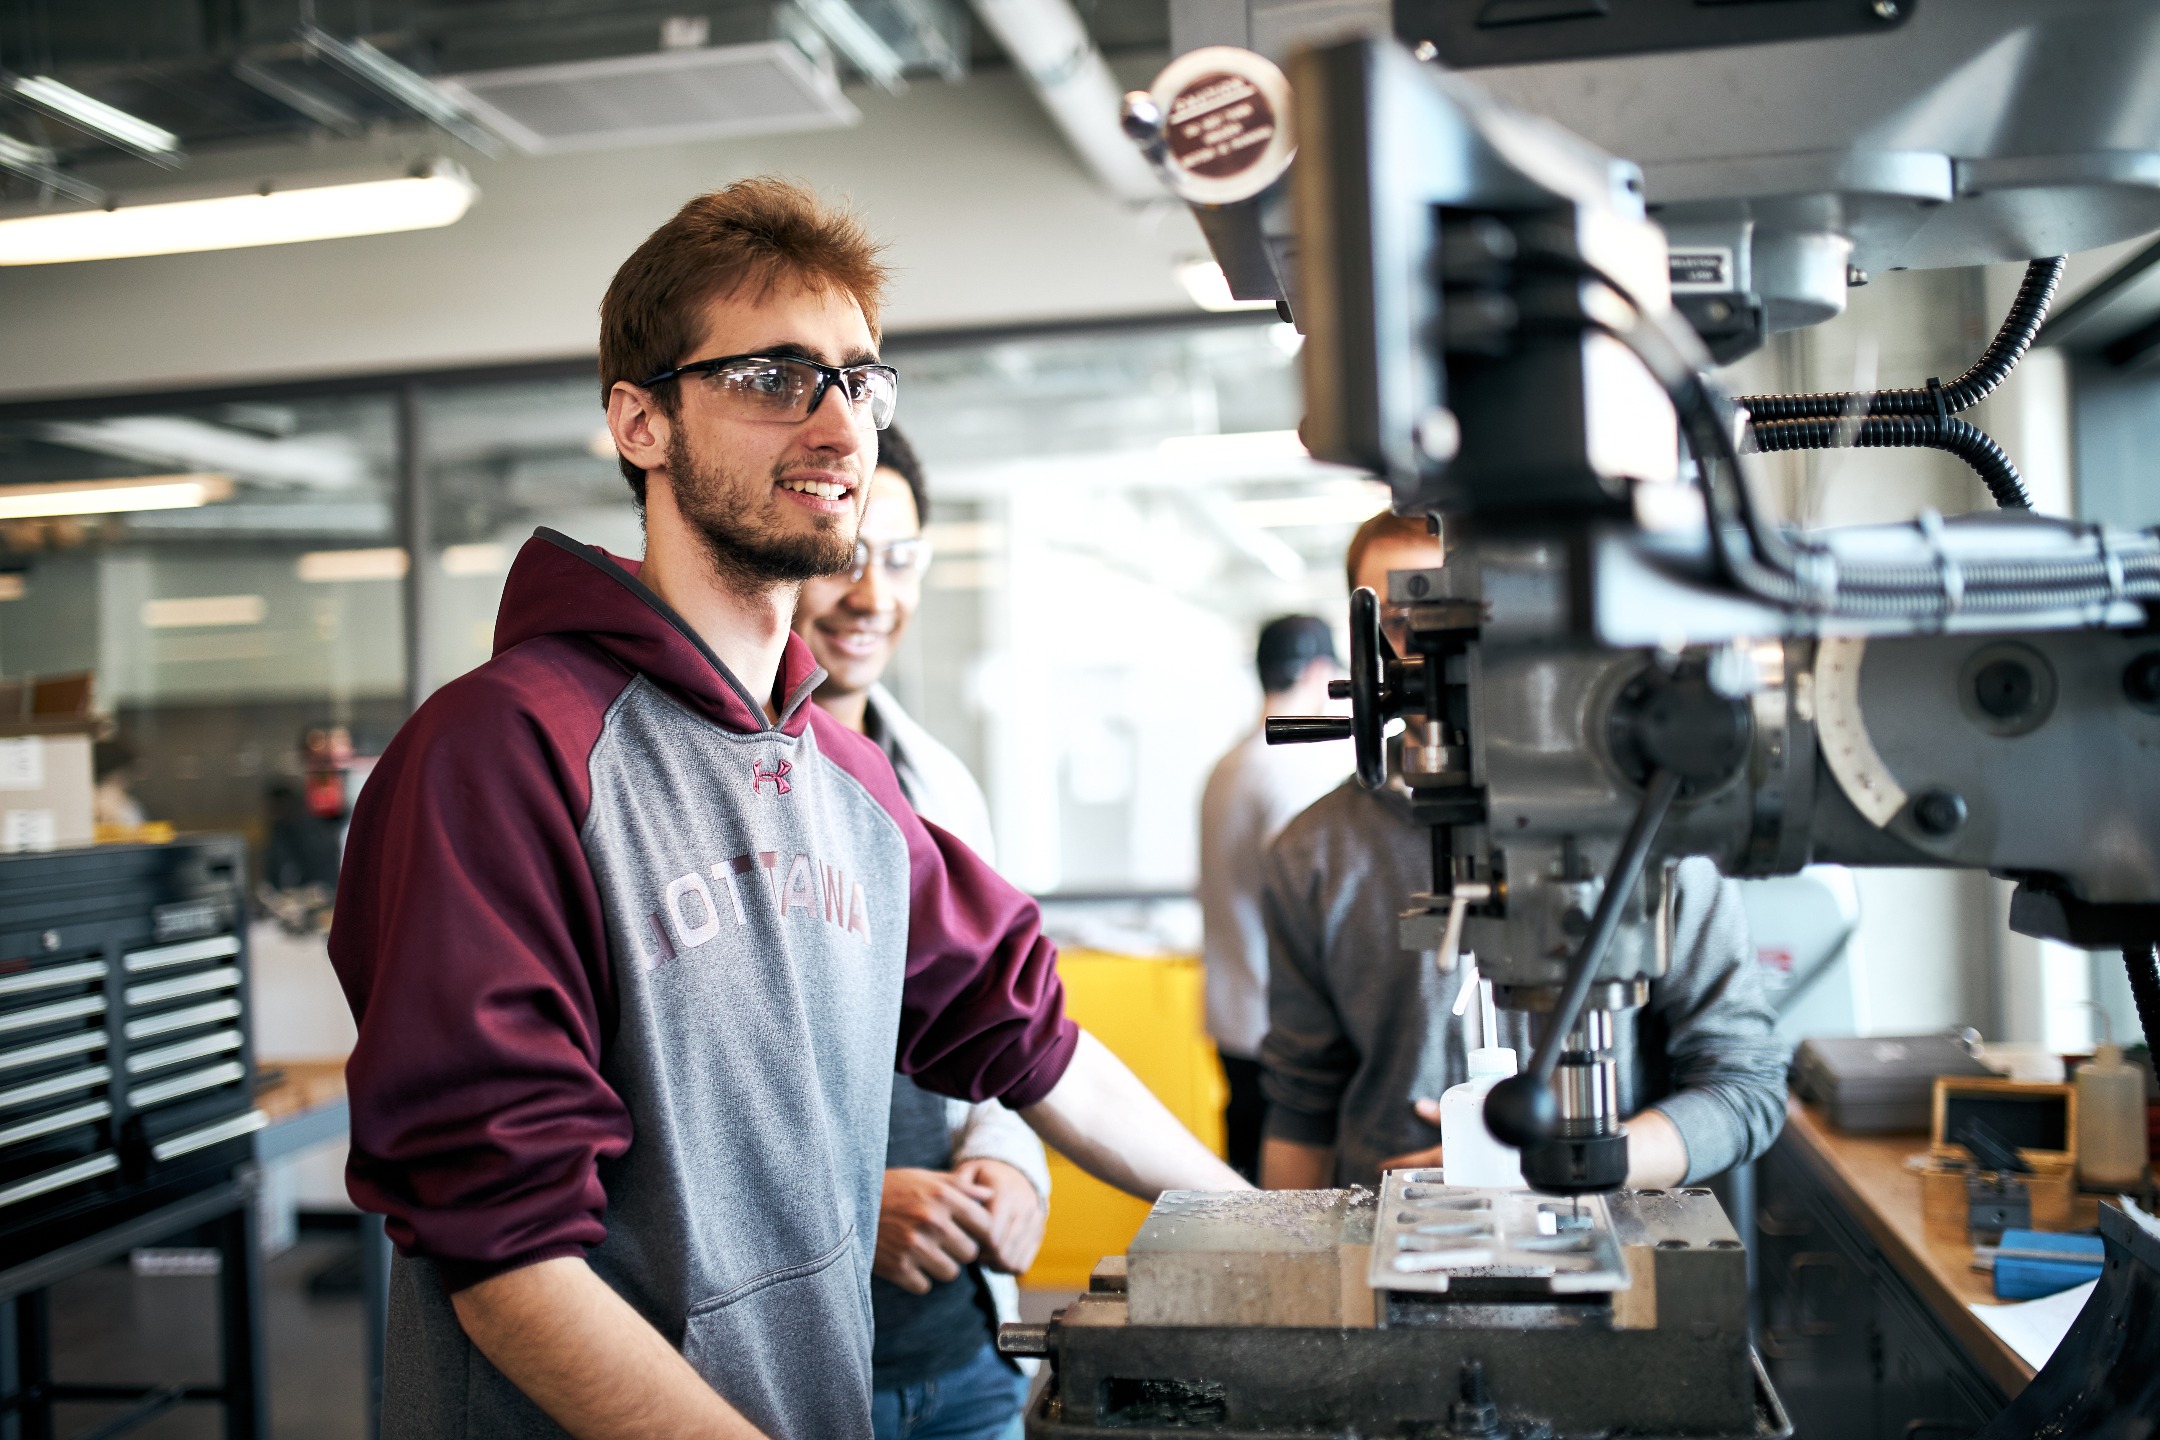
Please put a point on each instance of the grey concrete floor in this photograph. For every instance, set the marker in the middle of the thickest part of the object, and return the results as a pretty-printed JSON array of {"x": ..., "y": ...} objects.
[{"x": 113, "y": 1325}]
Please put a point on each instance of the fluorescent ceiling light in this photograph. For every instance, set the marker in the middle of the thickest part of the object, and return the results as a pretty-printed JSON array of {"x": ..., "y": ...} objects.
[
  {"x": 322, "y": 461},
  {"x": 107, "y": 122},
  {"x": 13, "y": 586},
  {"x": 113, "y": 497},
  {"x": 199, "y": 611},
  {"x": 1226, "y": 452},
  {"x": 482, "y": 558},
  {"x": 1346, "y": 506},
  {"x": 964, "y": 537},
  {"x": 1210, "y": 288},
  {"x": 322, "y": 567},
  {"x": 968, "y": 574},
  {"x": 425, "y": 201}
]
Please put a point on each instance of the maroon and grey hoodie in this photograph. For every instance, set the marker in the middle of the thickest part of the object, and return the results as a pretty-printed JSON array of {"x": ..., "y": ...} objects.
[{"x": 632, "y": 970}]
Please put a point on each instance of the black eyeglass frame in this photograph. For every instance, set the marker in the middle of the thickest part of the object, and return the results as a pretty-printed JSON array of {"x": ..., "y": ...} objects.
[{"x": 828, "y": 376}]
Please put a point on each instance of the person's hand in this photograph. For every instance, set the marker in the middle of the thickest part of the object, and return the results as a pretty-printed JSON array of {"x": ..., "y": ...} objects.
[
  {"x": 1429, "y": 1112},
  {"x": 1016, "y": 1213},
  {"x": 930, "y": 1223}
]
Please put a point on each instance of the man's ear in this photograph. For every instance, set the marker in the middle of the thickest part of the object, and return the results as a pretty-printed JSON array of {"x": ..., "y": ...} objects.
[{"x": 641, "y": 429}]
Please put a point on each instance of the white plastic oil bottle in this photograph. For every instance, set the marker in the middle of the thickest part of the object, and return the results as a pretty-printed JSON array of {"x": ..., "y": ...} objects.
[
  {"x": 1469, "y": 1153},
  {"x": 2111, "y": 1120}
]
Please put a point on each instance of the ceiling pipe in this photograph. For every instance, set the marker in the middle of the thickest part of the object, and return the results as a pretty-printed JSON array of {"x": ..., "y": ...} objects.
[{"x": 1072, "y": 80}]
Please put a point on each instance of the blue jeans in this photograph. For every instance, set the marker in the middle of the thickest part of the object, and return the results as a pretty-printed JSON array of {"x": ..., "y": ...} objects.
[{"x": 980, "y": 1400}]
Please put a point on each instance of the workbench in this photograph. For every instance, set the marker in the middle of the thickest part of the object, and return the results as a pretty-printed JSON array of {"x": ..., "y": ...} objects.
[
  {"x": 305, "y": 1100},
  {"x": 1864, "y": 1320}
]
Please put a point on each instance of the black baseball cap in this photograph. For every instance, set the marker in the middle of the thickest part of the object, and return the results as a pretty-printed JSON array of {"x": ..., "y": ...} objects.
[{"x": 1288, "y": 644}]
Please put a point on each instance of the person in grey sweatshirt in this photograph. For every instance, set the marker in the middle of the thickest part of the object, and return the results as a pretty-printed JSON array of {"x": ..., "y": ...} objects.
[{"x": 1362, "y": 1039}]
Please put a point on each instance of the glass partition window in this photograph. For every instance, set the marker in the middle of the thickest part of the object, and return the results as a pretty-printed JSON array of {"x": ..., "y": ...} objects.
[
  {"x": 500, "y": 460},
  {"x": 1113, "y": 515},
  {"x": 229, "y": 574}
]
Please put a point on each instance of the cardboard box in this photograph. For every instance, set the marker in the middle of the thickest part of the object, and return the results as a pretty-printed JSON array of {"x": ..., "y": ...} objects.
[
  {"x": 45, "y": 791},
  {"x": 46, "y": 778}
]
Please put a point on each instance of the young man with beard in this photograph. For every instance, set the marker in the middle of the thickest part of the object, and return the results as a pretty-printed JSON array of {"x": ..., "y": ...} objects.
[
  {"x": 630, "y": 928},
  {"x": 966, "y": 1186}
]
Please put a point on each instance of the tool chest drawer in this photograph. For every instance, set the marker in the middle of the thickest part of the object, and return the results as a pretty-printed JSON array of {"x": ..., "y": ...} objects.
[{"x": 125, "y": 1066}]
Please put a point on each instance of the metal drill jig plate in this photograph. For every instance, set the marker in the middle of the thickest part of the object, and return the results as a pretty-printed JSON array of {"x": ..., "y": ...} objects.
[{"x": 1431, "y": 1235}]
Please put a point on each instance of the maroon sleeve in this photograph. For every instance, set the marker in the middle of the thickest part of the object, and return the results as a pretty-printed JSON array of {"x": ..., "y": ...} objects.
[
  {"x": 469, "y": 940},
  {"x": 982, "y": 1015}
]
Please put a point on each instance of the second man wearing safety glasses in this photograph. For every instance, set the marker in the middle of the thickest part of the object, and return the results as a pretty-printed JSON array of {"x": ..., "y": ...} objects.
[{"x": 631, "y": 929}]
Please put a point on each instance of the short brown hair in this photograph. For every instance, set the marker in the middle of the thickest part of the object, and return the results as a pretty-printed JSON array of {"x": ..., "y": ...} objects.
[
  {"x": 1386, "y": 525},
  {"x": 749, "y": 235}
]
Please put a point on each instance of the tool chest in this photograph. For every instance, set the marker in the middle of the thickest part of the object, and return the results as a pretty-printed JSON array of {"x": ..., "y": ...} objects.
[{"x": 125, "y": 1061}]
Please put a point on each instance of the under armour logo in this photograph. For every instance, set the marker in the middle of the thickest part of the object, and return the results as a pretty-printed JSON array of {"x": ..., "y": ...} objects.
[{"x": 759, "y": 775}]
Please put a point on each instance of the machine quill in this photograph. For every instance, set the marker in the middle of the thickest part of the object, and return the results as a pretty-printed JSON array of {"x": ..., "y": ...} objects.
[{"x": 1625, "y": 660}]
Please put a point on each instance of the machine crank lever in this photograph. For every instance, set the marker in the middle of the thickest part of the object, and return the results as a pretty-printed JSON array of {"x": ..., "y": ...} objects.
[
  {"x": 1521, "y": 1110},
  {"x": 1306, "y": 729},
  {"x": 1465, "y": 894}
]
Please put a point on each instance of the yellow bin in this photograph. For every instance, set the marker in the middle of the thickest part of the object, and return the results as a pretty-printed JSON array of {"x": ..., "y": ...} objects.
[{"x": 1150, "y": 1012}]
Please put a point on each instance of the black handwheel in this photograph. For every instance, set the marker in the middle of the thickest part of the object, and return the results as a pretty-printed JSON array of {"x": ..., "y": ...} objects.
[
  {"x": 1369, "y": 654},
  {"x": 1367, "y": 689}
]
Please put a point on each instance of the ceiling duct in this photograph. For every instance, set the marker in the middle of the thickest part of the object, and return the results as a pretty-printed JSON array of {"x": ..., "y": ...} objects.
[
  {"x": 1072, "y": 80},
  {"x": 768, "y": 87}
]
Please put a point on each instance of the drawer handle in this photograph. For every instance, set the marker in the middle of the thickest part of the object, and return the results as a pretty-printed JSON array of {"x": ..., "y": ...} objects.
[
  {"x": 66, "y": 1175},
  {"x": 1815, "y": 1260},
  {"x": 217, "y": 947},
  {"x": 203, "y": 1139}
]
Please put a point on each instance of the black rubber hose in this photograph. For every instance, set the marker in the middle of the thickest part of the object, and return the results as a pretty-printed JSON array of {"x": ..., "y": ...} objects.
[
  {"x": 1762, "y": 562},
  {"x": 2144, "y": 968},
  {"x": 2027, "y": 313},
  {"x": 1975, "y": 447}
]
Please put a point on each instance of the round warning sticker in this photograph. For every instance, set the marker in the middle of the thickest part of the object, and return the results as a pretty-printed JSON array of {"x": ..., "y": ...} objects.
[
  {"x": 1226, "y": 124},
  {"x": 1219, "y": 125}
]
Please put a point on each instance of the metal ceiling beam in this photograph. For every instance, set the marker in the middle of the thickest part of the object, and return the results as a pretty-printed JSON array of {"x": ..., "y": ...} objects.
[
  {"x": 402, "y": 86},
  {"x": 309, "y": 100},
  {"x": 38, "y": 165}
]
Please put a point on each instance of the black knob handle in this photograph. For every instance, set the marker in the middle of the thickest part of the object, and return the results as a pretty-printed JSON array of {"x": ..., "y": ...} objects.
[
  {"x": 1522, "y": 1111},
  {"x": 1305, "y": 729}
]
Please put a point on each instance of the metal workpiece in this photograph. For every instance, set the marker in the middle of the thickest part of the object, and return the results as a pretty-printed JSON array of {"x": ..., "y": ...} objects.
[
  {"x": 1434, "y": 1238},
  {"x": 1660, "y": 1291}
]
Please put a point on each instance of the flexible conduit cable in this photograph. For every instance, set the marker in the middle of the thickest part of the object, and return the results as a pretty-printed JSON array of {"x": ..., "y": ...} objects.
[
  {"x": 1972, "y": 445},
  {"x": 2144, "y": 968},
  {"x": 2027, "y": 313}
]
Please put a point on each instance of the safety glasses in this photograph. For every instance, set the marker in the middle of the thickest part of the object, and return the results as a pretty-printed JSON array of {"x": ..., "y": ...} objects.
[
  {"x": 899, "y": 561},
  {"x": 782, "y": 387}
]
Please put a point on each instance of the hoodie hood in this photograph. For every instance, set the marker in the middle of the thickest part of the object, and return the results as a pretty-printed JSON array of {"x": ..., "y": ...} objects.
[{"x": 561, "y": 586}]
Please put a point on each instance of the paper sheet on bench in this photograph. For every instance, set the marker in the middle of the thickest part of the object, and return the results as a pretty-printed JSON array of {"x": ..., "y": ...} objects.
[{"x": 2034, "y": 1328}]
